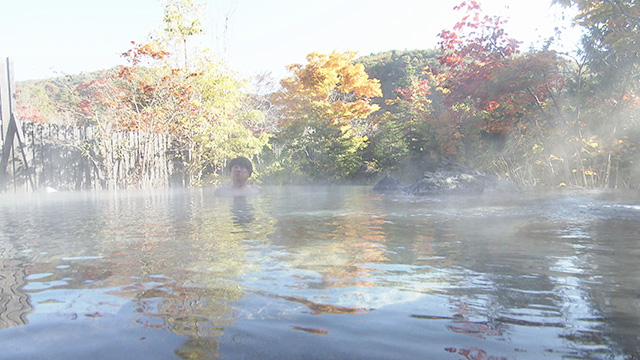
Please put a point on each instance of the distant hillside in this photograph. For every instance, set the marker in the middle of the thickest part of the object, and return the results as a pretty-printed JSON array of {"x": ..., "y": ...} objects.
[
  {"x": 46, "y": 100},
  {"x": 50, "y": 100},
  {"x": 395, "y": 69}
]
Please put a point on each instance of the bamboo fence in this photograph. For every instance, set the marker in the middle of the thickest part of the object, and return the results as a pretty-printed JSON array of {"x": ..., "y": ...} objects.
[{"x": 63, "y": 157}]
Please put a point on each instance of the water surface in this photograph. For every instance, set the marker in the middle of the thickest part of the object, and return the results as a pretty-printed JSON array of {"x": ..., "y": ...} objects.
[{"x": 319, "y": 273}]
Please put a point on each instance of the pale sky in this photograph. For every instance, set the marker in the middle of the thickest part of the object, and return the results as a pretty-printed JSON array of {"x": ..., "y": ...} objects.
[{"x": 46, "y": 38}]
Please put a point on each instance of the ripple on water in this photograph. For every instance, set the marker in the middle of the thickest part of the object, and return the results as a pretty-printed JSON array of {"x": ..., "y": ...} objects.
[{"x": 549, "y": 277}]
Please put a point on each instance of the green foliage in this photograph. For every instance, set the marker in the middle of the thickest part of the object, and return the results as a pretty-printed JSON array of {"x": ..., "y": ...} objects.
[
  {"x": 202, "y": 106},
  {"x": 219, "y": 127},
  {"x": 538, "y": 117},
  {"x": 322, "y": 106},
  {"x": 52, "y": 100},
  {"x": 182, "y": 19},
  {"x": 322, "y": 153},
  {"x": 389, "y": 144},
  {"x": 397, "y": 69},
  {"x": 590, "y": 139}
]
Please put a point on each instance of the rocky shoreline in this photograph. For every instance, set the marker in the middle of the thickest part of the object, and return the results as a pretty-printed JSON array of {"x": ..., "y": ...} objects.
[{"x": 449, "y": 178}]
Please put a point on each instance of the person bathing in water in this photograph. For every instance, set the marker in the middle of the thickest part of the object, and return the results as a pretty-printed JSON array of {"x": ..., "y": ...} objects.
[{"x": 241, "y": 169}]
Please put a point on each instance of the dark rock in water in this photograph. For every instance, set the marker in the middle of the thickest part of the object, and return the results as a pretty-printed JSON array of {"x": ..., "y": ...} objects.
[
  {"x": 388, "y": 184},
  {"x": 448, "y": 178}
]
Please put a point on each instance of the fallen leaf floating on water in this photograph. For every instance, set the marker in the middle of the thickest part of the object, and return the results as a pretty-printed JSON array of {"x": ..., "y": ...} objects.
[
  {"x": 311, "y": 330},
  {"x": 434, "y": 317},
  {"x": 51, "y": 301},
  {"x": 473, "y": 354},
  {"x": 320, "y": 308}
]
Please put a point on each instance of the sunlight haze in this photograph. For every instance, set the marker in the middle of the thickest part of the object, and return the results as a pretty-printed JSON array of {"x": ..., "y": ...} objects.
[{"x": 46, "y": 39}]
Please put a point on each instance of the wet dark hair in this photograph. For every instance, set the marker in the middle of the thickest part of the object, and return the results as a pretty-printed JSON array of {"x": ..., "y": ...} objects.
[{"x": 241, "y": 161}]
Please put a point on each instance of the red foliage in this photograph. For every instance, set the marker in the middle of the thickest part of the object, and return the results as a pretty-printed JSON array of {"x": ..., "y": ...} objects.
[
  {"x": 30, "y": 114},
  {"x": 484, "y": 83},
  {"x": 134, "y": 98},
  {"x": 140, "y": 52},
  {"x": 499, "y": 88}
]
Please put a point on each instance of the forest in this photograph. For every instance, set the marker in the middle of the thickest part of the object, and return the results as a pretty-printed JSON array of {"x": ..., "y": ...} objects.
[{"x": 536, "y": 117}]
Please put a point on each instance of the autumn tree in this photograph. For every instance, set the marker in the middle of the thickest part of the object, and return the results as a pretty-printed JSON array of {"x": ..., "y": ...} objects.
[
  {"x": 36, "y": 102},
  {"x": 182, "y": 20},
  {"x": 605, "y": 89},
  {"x": 324, "y": 105},
  {"x": 52, "y": 100},
  {"x": 401, "y": 139},
  {"x": 499, "y": 86},
  {"x": 483, "y": 93},
  {"x": 199, "y": 107},
  {"x": 397, "y": 69},
  {"x": 561, "y": 122},
  {"x": 409, "y": 136},
  {"x": 612, "y": 39}
]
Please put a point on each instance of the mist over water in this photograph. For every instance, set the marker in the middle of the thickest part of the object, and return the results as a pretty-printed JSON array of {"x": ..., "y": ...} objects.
[{"x": 323, "y": 273}]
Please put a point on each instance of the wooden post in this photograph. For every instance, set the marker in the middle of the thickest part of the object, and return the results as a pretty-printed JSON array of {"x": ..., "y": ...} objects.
[
  {"x": 6, "y": 135},
  {"x": 10, "y": 125},
  {"x": 5, "y": 112}
]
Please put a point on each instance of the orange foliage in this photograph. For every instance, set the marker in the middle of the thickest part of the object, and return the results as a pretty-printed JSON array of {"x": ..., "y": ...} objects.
[
  {"x": 329, "y": 87},
  {"x": 134, "y": 101}
]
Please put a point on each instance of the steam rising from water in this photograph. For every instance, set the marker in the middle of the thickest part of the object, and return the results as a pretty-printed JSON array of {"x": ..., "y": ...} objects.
[{"x": 309, "y": 269}]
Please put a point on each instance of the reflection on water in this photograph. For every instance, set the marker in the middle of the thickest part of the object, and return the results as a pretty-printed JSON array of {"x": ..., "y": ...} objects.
[
  {"x": 242, "y": 211},
  {"x": 14, "y": 302},
  {"x": 335, "y": 272}
]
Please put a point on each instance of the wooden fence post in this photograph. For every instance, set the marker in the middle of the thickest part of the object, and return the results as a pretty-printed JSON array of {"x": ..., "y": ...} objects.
[
  {"x": 5, "y": 115},
  {"x": 10, "y": 125}
]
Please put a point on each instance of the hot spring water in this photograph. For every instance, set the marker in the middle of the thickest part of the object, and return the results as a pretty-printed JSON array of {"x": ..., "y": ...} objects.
[{"x": 319, "y": 273}]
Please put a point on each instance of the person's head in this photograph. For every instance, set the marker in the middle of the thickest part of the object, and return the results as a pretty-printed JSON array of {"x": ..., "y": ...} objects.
[
  {"x": 241, "y": 161},
  {"x": 241, "y": 169}
]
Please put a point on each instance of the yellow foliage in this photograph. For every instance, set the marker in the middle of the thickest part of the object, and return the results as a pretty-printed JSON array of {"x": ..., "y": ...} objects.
[
  {"x": 591, "y": 142},
  {"x": 536, "y": 148},
  {"x": 330, "y": 88}
]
